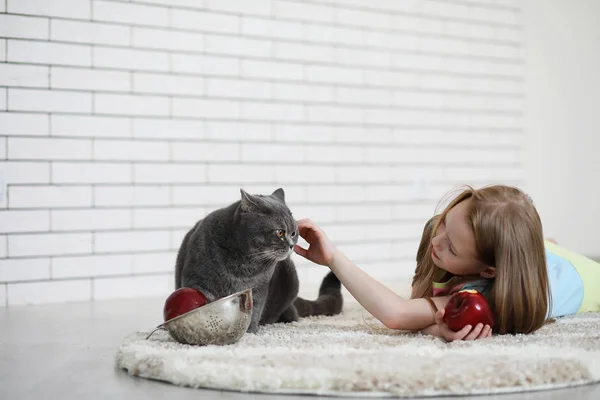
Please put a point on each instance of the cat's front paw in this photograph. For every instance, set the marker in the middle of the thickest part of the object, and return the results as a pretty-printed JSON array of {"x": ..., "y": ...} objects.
[{"x": 253, "y": 328}]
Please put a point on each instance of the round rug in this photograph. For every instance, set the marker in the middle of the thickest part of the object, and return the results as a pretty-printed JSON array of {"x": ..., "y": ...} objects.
[{"x": 344, "y": 356}]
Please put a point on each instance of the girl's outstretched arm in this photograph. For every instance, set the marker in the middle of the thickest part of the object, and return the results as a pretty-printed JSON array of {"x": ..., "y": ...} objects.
[{"x": 393, "y": 311}]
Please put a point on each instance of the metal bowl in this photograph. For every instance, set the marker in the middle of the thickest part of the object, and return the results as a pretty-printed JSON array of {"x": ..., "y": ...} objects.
[{"x": 222, "y": 322}]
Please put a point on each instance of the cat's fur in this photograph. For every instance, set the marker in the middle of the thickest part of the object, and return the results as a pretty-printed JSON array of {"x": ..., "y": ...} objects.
[{"x": 238, "y": 247}]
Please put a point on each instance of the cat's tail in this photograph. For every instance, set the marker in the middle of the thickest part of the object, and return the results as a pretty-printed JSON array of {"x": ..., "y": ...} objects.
[{"x": 329, "y": 302}]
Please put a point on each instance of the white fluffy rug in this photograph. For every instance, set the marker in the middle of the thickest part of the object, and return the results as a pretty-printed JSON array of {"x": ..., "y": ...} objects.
[{"x": 342, "y": 355}]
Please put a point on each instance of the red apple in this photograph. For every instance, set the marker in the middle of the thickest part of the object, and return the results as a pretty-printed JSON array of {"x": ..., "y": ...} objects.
[
  {"x": 467, "y": 307},
  {"x": 181, "y": 301}
]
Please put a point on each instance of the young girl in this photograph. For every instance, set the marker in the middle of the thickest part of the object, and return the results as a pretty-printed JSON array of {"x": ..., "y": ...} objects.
[{"x": 488, "y": 239}]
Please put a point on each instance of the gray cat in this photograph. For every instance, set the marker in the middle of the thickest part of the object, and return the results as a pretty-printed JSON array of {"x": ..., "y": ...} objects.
[{"x": 249, "y": 244}]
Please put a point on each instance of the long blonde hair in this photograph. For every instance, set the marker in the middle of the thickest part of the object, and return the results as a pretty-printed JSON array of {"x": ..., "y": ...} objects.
[{"x": 508, "y": 236}]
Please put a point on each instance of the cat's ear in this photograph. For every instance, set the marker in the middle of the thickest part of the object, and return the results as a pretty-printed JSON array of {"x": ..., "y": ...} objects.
[
  {"x": 249, "y": 201},
  {"x": 280, "y": 194}
]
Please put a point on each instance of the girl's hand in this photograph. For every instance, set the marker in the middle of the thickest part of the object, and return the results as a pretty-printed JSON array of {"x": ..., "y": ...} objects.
[
  {"x": 320, "y": 249},
  {"x": 467, "y": 333}
]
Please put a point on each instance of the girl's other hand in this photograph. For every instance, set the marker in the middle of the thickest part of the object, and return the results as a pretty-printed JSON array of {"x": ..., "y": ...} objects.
[
  {"x": 467, "y": 333},
  {"x": 320, "y": 249}
]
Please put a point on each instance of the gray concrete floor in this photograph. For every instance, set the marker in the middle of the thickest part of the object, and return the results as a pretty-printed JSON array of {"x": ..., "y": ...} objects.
[{"x": 67, "y": 352}]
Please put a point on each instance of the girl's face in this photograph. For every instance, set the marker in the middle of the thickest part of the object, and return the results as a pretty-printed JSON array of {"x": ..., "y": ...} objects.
[{"x": 453, "y": 247}]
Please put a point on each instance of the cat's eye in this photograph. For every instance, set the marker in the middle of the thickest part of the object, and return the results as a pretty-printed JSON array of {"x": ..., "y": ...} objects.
[{"x": 280, "y": 233}]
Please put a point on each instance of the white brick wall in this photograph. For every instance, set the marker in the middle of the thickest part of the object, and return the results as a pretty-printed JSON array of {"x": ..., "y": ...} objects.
[{"x": 123, "y": 122}]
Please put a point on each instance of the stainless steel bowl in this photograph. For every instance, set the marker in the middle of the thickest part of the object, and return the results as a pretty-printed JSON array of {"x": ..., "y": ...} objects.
[{"x": 222, "y": 322}]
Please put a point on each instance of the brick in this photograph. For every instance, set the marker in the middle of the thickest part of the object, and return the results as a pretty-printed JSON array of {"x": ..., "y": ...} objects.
[
  {"x": 168, "y": 128},
  {"x": 132, "y": 287},
  {"x": 303, "y": 92},
  {"x": 167, "y": 39},
  {"x": 3, "y": 145},
  {"x": 305, "y": 173},
  {"x": 394, "y": 40},
  {"x": 144, "y": 60},
  {"x": 50, "y": 196},
  {"x": 33, "y": 293},
  {"x": 354, "y": 57},
  {"x": 27, "y": 269},
  {"x": 49, "y": 101},
  {"x": 24, "y": 221},
  {"x": 364, "y": 174},
  {"x": 335, "y": 114},
  {"x": 204, "y": 21},
  {"x": 130, "y": 13},
  {"x": 90, "y": 266},
  {"x": 23, "y": 75},
  {"x": 109, "y": 242},
  {"x": 303, "y": 133},
  {"x": 26, "y": 172},
  {"x": 318, "y": 73},
  {"x": 49, "y": 53},
  {"x": 237, "y": 130},
  {"x": 177, "y": 237},
  {"x": 169, "y": 173},
  {"x": 334, "y": 34},
  {"x": 131, "y": 196},
  {"x": 205, "y": 151},
  {"x": 494, "y": 15},
  {"x": 363, "y": 18},
  {"x": 363, "y": 95},
  {"x": 393, "y": 79},
  {"x": 201, "y": 108},
  {"x": 2, "y": 53},
  {"x": 184, "y": 3},
  {"x": 90, "y": 220},
  {"x": 153, "y": 262},
  {"x": 258, "y": 7},
  {"x": 418, "y": 24},
  {"x": 130, "y": 104},
  {"x": 3, "y": 246},
  {"x": 97, "y": 172},
  {"x": 344, "y": 134},
  {"x": 271, "y": 111},
  {"x": 238, "y": 46},
  {"x": 238, "y": 88},
  {"x": 205, "y": 65},
  {"x": 272, "y": 153},
  {"x": 49, "y": 244},
  {"x": 130, "y": 150},
  {"x": 239, "y": 173},
  {"x": 339, "y": 154},
  {"x": 56, "y": 8},
  {"x": 89, "y": 32},
  {"x": 204, "y": 195},
  {"x": 49, "y": 149},
  {"x": 89, "y": 126},
  {"x": 29, "y": 124},
  {"x": 272, "y": 28},
  {"x": 166, "y": 217},
  {"x": 304, "y": 52},
  {"x": 168, "y": 84},
  {"x": 303, "y": 11},
  {"x": 335, "y": 194},
  {"x": 3, "y": 100},
  {"x": 272, "y": 70},
  {"x": 89, "y": 79},
  {"x": 15, "y": 26},
  {"x": 322, "y": 213}
]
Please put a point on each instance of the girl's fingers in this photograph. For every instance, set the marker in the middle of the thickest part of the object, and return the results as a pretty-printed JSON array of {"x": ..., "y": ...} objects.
[
  {"x": 300, "y": 251},
  {"x": 460, "y": 335},
  {"x": 475, "y": 333}
]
